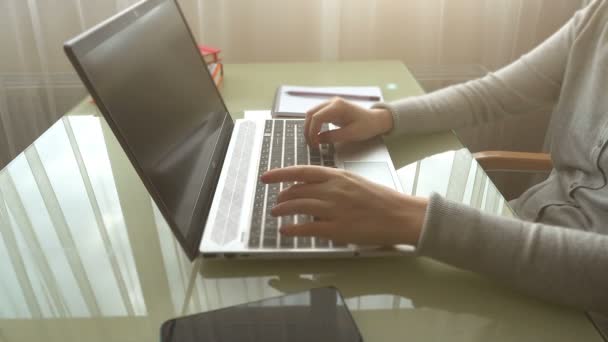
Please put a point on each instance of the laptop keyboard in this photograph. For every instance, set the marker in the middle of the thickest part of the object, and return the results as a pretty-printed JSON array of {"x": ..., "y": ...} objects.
[{"x": 284, "y": 145}]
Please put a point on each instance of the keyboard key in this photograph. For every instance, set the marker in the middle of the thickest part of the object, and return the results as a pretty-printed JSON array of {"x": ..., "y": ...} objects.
[
  {"x": 254, "y": 241},
  {"x": 321, "y": 243},
  {"x": 256, "y": 220},
  {"x": 287, "y": 242},
  {"x": 283, "y": 145},
  {"x": 304, "y": 242},
  {"x": 303, "y": 219},
  {"x": 271, "y": 223},
  {"x": 287, "y": 220},
  {"x": 302, "y": 158},
  {"x": 271, "y": 232},
  {"x": 270, "y": 241}
]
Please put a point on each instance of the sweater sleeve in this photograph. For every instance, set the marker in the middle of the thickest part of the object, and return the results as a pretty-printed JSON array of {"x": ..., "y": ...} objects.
[
  {"x": 528, "y": 84},
  {"x": 563, "y": 265}
]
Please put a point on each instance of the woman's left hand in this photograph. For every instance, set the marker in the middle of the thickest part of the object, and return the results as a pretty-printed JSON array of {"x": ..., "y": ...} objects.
[{"x": 350, "y": 208}]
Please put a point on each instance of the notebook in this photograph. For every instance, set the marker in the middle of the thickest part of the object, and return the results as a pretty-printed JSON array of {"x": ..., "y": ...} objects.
[{"x": 295, "y": 101}]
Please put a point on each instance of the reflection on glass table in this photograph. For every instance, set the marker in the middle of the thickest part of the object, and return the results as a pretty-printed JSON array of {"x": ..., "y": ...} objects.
[
  {"x": 84, "y": 251},
  {"x": 316, "y": 315},
  {"x": 81, "y": 239},
  {"x": 456, "y": 176},
  {"x": 76, "y": 262}
]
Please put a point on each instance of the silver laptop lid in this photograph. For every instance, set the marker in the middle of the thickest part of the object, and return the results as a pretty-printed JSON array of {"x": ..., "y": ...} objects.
[{"x": 145, "y": 73}]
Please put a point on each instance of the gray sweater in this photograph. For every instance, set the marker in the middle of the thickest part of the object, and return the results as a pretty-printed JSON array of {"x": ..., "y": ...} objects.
[{"x": 559, "y": 251}]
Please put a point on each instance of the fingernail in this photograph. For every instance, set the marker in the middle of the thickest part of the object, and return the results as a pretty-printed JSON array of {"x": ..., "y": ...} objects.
[{"x": 263, "y": 177}]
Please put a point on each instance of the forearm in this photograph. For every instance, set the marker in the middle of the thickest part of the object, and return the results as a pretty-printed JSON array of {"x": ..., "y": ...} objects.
[
  {"x": 476, "y": 102},
  {"x": 555, "y": 263}
]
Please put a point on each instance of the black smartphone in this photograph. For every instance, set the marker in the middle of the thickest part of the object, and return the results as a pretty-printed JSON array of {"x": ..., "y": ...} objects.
[{"x": 316, "y": 315}]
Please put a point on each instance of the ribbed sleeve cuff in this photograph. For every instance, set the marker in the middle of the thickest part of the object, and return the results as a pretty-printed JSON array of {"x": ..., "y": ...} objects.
[
  {"x": 465, "y": 237},
  {"x": 396, "y": 123},
  {"x": 412, "y": 115},
  {"x": 448, "y": 233}
]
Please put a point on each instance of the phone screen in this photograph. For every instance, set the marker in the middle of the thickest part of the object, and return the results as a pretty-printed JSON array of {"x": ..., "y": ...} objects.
[{"x": 316, "y": 315}]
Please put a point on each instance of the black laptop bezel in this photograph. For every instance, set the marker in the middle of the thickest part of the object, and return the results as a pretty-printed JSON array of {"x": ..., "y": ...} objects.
[{"x": 88, "y": 40}]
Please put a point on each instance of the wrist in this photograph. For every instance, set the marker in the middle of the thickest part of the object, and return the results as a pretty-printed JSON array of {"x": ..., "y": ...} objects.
[
  {"x": 384, "y": 120},
  {"x": 413, "y": 217}
]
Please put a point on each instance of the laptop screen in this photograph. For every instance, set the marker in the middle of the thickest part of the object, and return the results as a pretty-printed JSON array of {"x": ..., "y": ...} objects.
[{"x": 145, "y": 72}]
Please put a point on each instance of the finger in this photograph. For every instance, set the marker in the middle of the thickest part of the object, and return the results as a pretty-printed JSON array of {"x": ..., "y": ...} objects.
[
  {"x": 325, "y": 115},
  {"x": 303, "y": 206},
  {"x": 321, "y": 229},
  {"x": 337, "y": 135},
  {"x": 306, "y": 126},
  {"x": 301, "y": 173},
  {"x": 316, "y": 123},
  {"x": 309, "y": 115},
  {"x": 316, "y": 191}
]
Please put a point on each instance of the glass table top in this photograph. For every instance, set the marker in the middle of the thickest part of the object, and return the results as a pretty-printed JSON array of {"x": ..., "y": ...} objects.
[{"x": 85, "y": 253}]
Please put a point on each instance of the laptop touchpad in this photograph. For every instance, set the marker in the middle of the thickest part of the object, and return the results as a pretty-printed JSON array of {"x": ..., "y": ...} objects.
[{"x": 377, "y": 172}]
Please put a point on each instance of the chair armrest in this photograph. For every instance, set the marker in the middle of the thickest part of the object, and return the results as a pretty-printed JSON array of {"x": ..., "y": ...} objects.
[{"x": 514, "y": 161}]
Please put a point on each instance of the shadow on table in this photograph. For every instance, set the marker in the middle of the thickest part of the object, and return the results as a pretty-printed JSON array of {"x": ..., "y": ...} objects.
[
  {"x": 393, "y": 296},
  {"x": 422, "y": 282}
]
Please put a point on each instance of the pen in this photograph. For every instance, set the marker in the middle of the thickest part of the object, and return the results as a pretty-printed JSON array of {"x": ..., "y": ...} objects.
[{"x": 344, "y": 96}]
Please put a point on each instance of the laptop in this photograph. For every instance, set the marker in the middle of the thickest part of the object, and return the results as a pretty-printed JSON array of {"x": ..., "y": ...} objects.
[{"x": 146, "y": 75}]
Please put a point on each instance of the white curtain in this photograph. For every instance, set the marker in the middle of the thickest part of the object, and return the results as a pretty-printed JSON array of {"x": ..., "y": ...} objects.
[{"x": 442, "y": 41}]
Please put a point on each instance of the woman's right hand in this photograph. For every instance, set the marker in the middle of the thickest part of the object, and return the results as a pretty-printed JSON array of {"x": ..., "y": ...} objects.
[{"x": 355, "y": 122}]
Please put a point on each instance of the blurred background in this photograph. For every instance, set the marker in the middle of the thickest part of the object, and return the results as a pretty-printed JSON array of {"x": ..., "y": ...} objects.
[{"x": 441, "y": 41}]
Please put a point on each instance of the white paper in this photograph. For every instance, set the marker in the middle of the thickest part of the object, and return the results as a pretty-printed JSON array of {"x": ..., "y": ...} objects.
[{"x": 291, "y": 105}]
